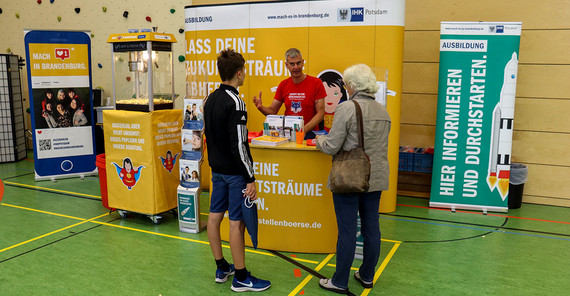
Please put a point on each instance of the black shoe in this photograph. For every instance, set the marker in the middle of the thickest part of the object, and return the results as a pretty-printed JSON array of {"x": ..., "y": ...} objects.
[
  {"x": 365, "y": 284},
  {"x": 328, "y": 285}
]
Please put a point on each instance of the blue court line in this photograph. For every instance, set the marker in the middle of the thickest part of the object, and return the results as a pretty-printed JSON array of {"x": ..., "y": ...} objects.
[{"x": 474, "y": 228}]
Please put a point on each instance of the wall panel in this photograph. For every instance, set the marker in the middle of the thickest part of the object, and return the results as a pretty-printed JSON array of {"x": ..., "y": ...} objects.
[
  {"x": 419, "y": 109},
  {"x": 417, "y": 135},
  {"x": 544, "y": 200},
  {"x": 543, "y": 81},
  {"x": 420, "y": 78},
  {"x": 547, "y": 115},
  {"x": 546, "y": 14},
  {"x": 548, "y": 181},
  {"x": 421, "y": 46},
  {"x": 541, "y": 148}
]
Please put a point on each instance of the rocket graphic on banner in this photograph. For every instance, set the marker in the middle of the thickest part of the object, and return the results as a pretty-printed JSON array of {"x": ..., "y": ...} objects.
[{"x": 503, "y": 115}]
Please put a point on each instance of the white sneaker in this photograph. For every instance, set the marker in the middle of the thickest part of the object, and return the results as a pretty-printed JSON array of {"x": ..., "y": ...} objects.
[
  {"x": 365, "y": 284},
  {"x": 328, "y": 285}
]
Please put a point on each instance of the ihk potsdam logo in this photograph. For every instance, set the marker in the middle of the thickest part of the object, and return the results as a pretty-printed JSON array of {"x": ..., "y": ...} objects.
[{"x": 353, "y": 14}]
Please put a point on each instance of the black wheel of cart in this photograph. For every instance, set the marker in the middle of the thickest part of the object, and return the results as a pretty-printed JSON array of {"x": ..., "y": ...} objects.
[
  {"x": 174, "y": 213},
  {"x": 155, "y": 219},
  {"x": 122, "y": 213}
]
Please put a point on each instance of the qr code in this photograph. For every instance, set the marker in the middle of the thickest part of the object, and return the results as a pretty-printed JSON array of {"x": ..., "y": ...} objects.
[{"x": 45, "y": 144}]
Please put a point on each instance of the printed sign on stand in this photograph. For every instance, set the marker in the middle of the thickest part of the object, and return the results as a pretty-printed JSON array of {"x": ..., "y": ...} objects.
[
  {"x": 189, "y": 210},
  {"x": 192, "y": 144},
  {"x": 475, "y": 113},
  {"x": 190, "y": 173},
  {"x": 59, "y": 83},
  {"x": 193, "y": 114}
]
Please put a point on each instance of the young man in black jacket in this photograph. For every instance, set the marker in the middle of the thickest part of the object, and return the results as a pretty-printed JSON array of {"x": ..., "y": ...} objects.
[{"x": 225, "y": 119}]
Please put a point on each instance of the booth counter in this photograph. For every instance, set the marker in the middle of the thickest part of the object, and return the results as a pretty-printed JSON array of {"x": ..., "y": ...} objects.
[{"x": 295, "y": 208}]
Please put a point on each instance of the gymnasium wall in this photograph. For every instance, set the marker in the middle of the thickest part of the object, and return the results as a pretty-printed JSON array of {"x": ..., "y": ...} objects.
[
  {"x": 101, "y": 23},
  {"x": 542, "y": 126}
]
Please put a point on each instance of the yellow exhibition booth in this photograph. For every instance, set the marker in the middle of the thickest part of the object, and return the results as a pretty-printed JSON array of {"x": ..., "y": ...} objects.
[
  {"x": 295, "y": 207},
  {"x": 295, "y": 210}
]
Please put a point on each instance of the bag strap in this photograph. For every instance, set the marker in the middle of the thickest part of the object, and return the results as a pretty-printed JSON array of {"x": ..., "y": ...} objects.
[{"x": 360, "y": 124}]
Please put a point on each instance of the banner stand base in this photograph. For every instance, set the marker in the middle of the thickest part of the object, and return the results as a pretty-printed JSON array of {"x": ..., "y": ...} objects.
[
  {"x": 453, "y": 207},
  {"x": 54, "y": 178}
]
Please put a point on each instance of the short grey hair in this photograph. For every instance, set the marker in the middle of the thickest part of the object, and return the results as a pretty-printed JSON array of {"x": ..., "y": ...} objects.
[
  {"x": 360, "y": 77},
  {"x": 293, "y": 52}
]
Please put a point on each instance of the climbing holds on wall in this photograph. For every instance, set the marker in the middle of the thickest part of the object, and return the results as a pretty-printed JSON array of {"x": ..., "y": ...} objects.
[
  {"x": 126, "y": 14},
  {"x": 77, "y": 10},
  {"x": 148, "y": 19}
]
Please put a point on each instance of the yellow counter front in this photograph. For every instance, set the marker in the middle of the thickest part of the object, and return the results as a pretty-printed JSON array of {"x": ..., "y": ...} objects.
[{"x": 296, "y": 212}]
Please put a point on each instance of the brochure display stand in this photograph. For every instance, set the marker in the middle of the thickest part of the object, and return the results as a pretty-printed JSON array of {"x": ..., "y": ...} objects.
[{"x": 190, "y": 162}]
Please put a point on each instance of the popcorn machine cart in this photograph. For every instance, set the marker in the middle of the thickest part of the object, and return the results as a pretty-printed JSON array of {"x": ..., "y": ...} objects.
[{"x": 142, "y": 135}]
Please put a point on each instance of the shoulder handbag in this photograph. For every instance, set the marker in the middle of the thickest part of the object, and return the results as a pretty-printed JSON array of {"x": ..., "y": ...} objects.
[{"x": 350, "y": 170}]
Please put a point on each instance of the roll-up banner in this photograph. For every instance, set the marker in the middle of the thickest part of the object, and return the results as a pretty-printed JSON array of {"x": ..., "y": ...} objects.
[
  {"x": 331, "y": 35},
  {"x": 59, "y": 83},
  {"x": 475, "y": 112}
]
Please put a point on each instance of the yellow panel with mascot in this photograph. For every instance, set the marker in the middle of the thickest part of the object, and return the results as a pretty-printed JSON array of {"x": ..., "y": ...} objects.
[{"x": 142, "y": 157}]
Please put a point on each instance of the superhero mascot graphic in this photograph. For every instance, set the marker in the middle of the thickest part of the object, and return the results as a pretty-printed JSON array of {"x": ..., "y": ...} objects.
[
  {"x": 169, "y": 162},
  {"x": 128, "y": 174}
]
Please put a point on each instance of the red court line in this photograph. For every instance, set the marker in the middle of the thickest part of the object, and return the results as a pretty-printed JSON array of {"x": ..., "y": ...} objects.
[{"x": 496, "y": 215}]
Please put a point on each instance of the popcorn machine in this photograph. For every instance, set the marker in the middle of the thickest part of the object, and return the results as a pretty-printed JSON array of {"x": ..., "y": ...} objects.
[
  {"x": 143, "y": 69},
  {"x": 141, "y": 148}
]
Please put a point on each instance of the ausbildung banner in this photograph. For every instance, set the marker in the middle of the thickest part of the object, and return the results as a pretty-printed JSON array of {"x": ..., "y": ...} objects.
[{"x": 475, "y": 112}]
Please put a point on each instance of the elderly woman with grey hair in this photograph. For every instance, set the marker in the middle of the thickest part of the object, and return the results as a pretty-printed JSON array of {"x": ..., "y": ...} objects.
[{"x": 361, "y": 85}]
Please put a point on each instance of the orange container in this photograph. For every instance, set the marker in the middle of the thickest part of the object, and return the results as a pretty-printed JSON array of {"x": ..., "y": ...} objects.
[
  {"x": 299, "y": 137},
  {"x": 100, "y": 163}
]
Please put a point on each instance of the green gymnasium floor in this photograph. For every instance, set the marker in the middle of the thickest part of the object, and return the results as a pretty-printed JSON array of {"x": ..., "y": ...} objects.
[{"x": 57, "y": 239}]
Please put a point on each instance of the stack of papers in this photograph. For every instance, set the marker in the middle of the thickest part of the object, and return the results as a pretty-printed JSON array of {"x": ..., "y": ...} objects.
[{"x": 269, "y": 140}]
